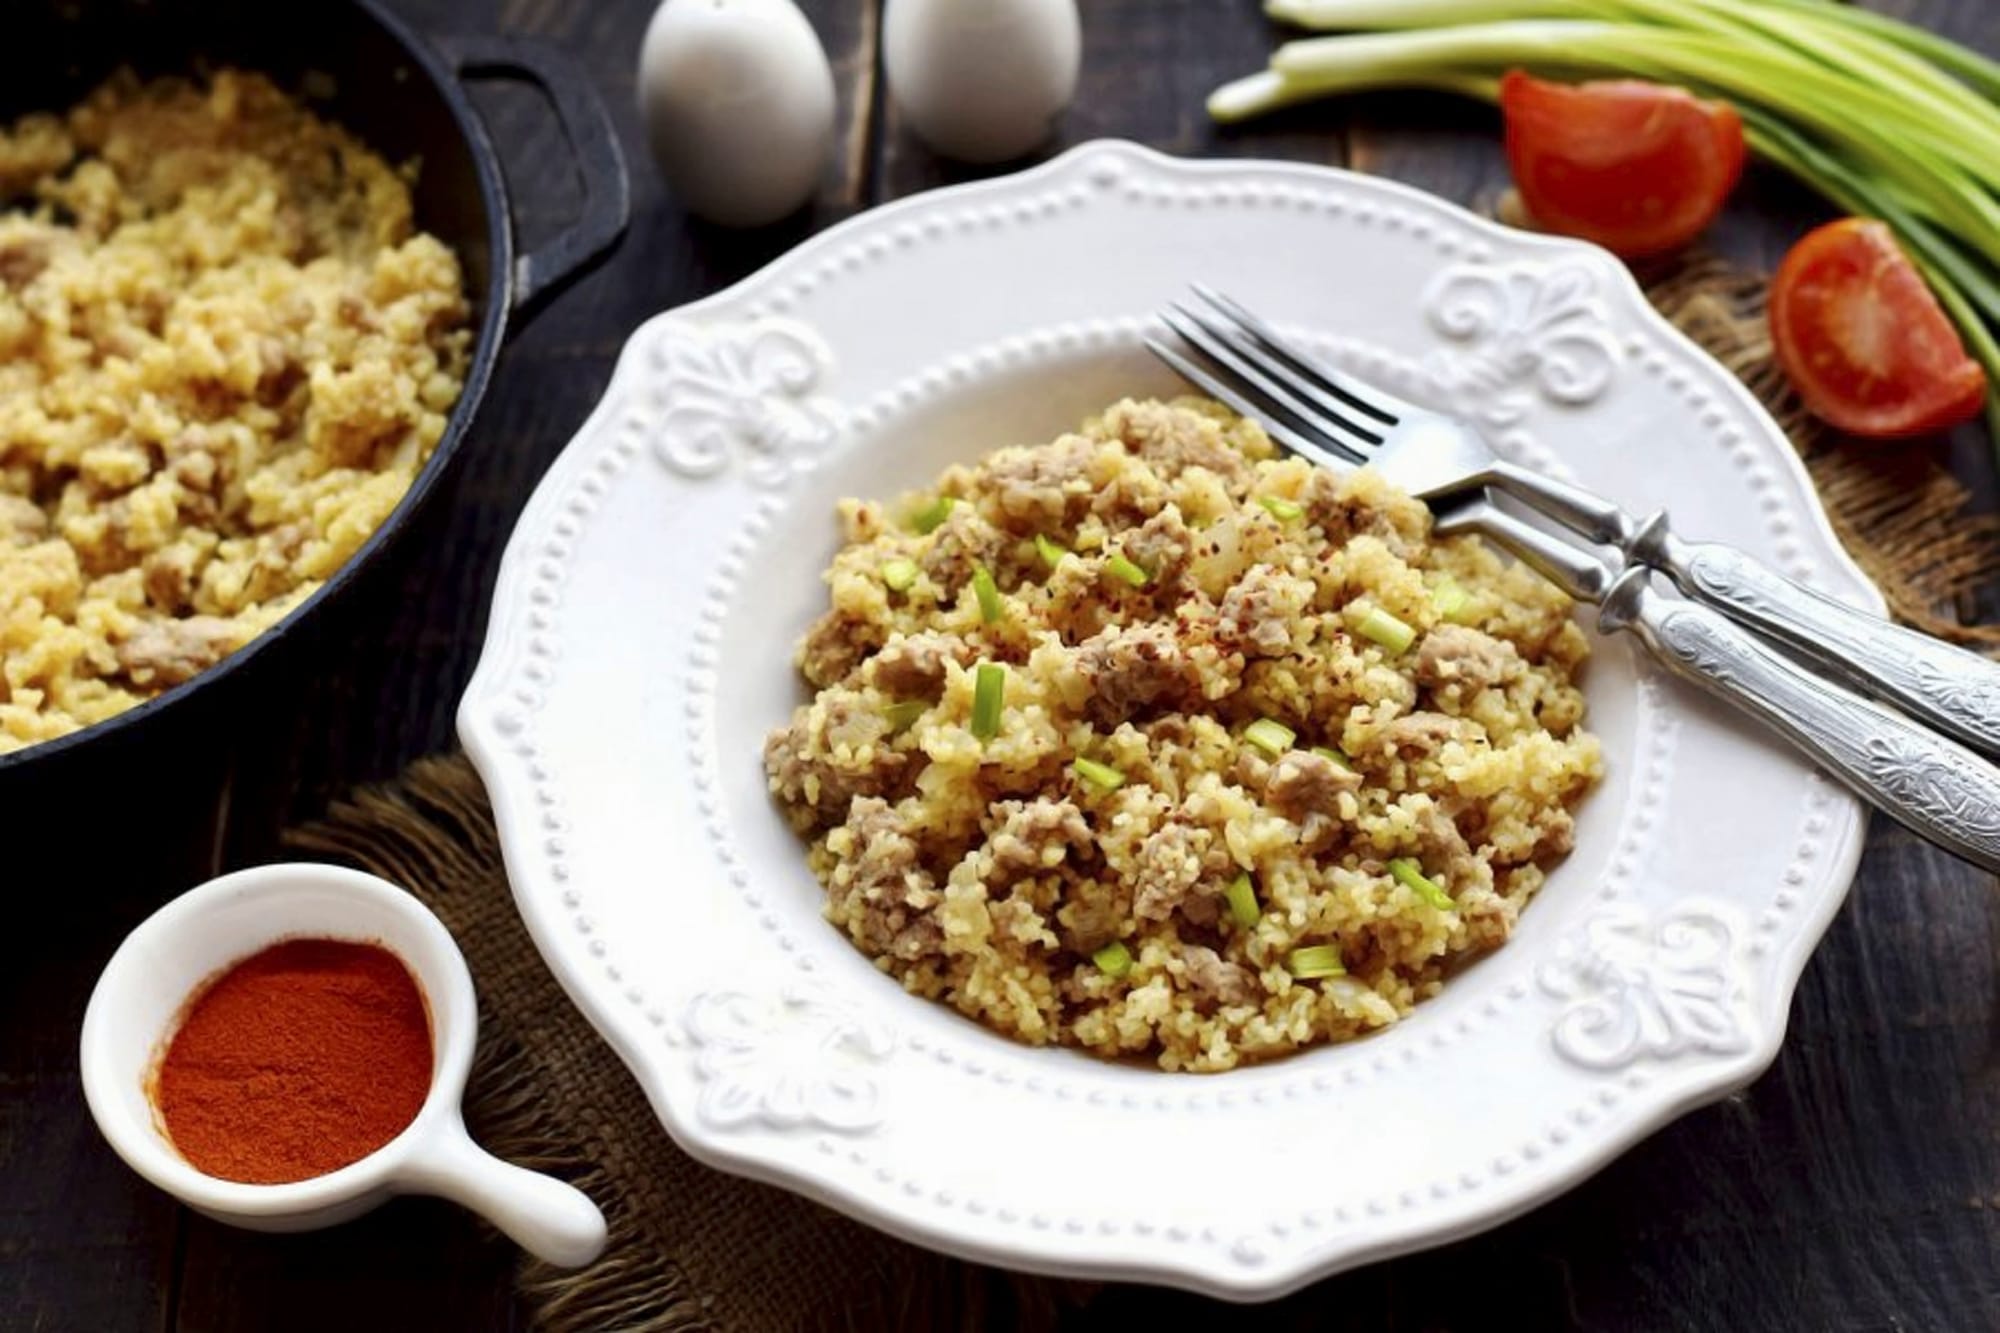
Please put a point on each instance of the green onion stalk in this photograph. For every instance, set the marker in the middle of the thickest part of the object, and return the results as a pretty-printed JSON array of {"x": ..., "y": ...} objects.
[
  {"x": 1103, "y": 777},
  {"x": 1271, "y": 736},
  {"x": 1241, "y": 895},
  {"x": 1412, "y": 877},
  {"x": 1884, "y": 119},
  {"x": 989, "y": 697}
]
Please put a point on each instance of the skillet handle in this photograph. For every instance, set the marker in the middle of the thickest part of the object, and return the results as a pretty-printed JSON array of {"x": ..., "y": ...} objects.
[{"x": 607, "y": 190}]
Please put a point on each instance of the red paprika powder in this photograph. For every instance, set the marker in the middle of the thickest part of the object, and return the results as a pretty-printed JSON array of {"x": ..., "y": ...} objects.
[{"x": 296, "y": 1061}]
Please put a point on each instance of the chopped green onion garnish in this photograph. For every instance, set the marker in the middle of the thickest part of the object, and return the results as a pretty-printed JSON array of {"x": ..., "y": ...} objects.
[
  {"x": 1281, "y": 509},
  {"x": 991, "y": 608},
  {"x": 1411, "y": 876},
  {"x": 1122, "y": 568},
  {"x": 1051, "y": 552},
  {"x": 1114, "y": 960},
  {"x": 989, "y": 687},
  {"x": 1336, "y": 756},
  {"x": 1449, "y": 600},
  {"x": 1270, "y": 735},
  {"x": 1386, "y": 630},
  {"x": 899, "y": 574},
  {"x": 903, "y": 712},
  {"x": 1242, "y": 898},
  {"x": 1316, "y": 961},
  {"x": 1101, "y": 776},
  {"x": 928, "y": 518}
]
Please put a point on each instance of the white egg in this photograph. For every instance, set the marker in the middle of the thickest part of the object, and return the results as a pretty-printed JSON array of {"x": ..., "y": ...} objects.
[
  {"x": 982, "y": 80},
  {"x": 737, "y": 97}
]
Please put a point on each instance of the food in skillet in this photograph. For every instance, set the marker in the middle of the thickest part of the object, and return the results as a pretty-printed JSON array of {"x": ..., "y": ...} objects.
[
  {"x": 1150, "y": 742},
  {"x": 225, "y": 351}
]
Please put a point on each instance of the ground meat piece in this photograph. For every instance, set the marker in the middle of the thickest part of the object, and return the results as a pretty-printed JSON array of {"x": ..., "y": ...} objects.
[
  {"x": 169, "y": 576},
  {"x": 1046, "y": 489},
  {"x": 1462, "y": 656},
  {"x": 889, "y": 894},
  {"x": 1161, "y": 546},
  {"x": 1173, "y": 440},
  {"x": 834, "y": 646},
  {"x": 1202, "y": 906},
  {"x": 959, "y": 545},
  {"x": 1170, "y": 865},
  {"x": 1216, "y": 980},
  {"x": 1489, "y": 917},
  {"x": 1250, "y": 769},
  {"x": 911, "y": 666},
  {"x": 1263, "y": 608},
  {"x": 1418, "y": 734},
  {"x": 1037, "y": 835},
  {"x": 1343, "y": 517},
  {"x": 1133, "y": 668},
  {"x": 1091, "y": 917},
  {"x": 788, "y": 773},
  {"x": 1303, "y": 784},
  {"x": 163, "y": 653},
  {"x": 1442, "y": 848},
  {"x": 22, "y": 522},
  {"x": 812, "y": 790}
]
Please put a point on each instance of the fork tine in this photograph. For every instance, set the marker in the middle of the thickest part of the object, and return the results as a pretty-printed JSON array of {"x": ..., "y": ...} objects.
[
  {"x": 1325, "y": 452},
  {"x": 1383, "y": 407},
  {"x": 1249, "y": 374},
  {"x": 1306, "y": 398}
]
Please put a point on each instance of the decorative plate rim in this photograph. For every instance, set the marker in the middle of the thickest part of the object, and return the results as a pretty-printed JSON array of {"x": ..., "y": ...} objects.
[{"x": 495, "y": 736}]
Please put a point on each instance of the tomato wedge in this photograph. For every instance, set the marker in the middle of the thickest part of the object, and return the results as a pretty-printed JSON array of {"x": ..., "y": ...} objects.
[
  {"x": 1639, "y": 168},
  {"x": 1864, "y": 341}
]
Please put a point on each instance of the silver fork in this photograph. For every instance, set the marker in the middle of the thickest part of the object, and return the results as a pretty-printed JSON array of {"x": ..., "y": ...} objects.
[
  {"x": 1930, "y": 784},
  {"x": 1339, "y": 419},
  {"x": 1937, "y": 788}
]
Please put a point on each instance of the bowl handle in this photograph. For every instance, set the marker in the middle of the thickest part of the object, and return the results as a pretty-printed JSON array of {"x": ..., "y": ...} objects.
[
  {"x": 554, "y": 1222},
  {"x": 593, "y": 141}
]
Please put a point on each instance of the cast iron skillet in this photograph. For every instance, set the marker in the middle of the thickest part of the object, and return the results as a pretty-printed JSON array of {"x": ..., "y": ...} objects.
[{"x": 404, "y": 96}]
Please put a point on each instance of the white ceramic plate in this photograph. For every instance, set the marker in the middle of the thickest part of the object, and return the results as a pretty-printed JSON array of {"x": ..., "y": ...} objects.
[{"x": 640, "y": 649}]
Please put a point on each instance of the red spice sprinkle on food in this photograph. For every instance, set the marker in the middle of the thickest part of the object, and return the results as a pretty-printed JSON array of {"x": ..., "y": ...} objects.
[{"x": 296, "y": 1061}]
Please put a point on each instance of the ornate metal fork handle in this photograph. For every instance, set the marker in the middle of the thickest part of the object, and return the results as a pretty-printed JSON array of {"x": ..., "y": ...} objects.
[
  {"x": 1933, "y": 786},
  {"x": 1955, "y": 690}
]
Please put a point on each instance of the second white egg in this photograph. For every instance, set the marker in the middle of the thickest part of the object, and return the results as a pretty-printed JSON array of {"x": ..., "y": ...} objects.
[
  {"x": 738, "y": 101},
  {"x": 982, "y": 80}
]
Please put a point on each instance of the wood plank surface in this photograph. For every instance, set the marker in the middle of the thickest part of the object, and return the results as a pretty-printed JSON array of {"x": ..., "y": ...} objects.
[{"x": 1856, "y": 1186}]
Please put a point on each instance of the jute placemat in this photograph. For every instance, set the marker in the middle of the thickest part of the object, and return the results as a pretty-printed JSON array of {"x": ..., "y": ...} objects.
[{"x": 694, "y": 1249}]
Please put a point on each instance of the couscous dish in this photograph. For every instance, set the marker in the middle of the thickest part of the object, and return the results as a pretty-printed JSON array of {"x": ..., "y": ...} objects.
[
  {"x": 224, "y": 354},
  {"x": 1151, "y": 742}
]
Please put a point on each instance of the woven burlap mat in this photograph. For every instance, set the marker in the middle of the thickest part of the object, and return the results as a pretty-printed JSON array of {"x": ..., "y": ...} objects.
[{"x": 692, "y": 1248}]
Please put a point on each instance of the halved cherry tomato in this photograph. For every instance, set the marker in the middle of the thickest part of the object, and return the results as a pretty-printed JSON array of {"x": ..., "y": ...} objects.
[
  {"x": 1863, "y": 339},
  {"x": 1637, "y": 167}
]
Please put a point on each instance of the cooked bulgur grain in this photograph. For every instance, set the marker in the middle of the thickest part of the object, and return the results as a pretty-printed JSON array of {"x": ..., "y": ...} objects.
[
  {"x": 1176, "y": 895},
  {"x": 224, "y": 354}
]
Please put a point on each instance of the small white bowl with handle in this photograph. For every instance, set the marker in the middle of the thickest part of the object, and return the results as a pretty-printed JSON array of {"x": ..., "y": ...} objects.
[{"x": 146, "y": 985}]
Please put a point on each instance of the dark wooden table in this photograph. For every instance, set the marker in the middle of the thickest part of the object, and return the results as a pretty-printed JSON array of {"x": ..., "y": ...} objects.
[{"x": 1855, "y": 1186}]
